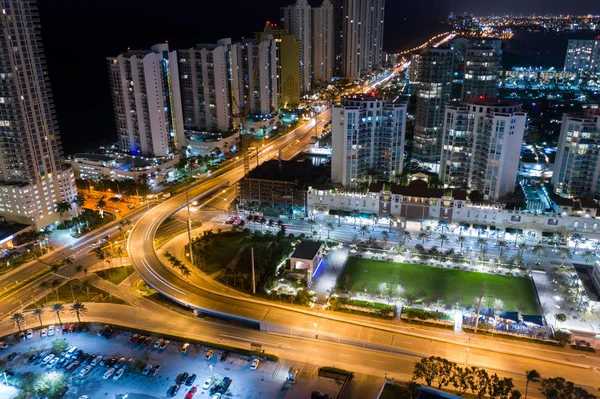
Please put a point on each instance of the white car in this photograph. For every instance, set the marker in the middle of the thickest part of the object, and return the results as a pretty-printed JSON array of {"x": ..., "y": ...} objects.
[
  {"x": 47, "y": 359},
  {"x": 96, "y": 361},
  {"x": 29, "y": 333},
  {"x": 85, "y": 371},
  {"x": 164, "y": 344},
  {"x": 147, "y": 369},
  {"x": 44, "y": 332},
  {"x": 158, "y": 343},
  {"x": 118, "y": 374},
  {"x": 216, "y": 396},
  {"x": 254, "y": 364},
  {"x": 52, "y": 362},
  {"x": 51, "y": 330},
  {"x": 70, "y": 352},
  {"x": 209, "y": 354},
  {"x": 108, "y": 374},
  {"x": 206, "y": 384},
  {"x": 84, "y": 397}
]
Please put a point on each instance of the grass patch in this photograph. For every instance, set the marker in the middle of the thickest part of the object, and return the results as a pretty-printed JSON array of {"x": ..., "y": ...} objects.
[
  {"x": 448, "y": 285},
  {"x": 225, "y": 247},
  {"x": 24, "y": 283},
  {"x": 414, "y": 313},
  {"x": 76, "y": 290},
  {"x": 583, "y": 348},
  {"x": 116, "y": 275}
]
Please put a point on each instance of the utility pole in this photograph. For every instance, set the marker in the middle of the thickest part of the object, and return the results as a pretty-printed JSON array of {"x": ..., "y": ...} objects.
[
  {"x": 253, "y": 275},
  {"x": 479, "y": 306}
]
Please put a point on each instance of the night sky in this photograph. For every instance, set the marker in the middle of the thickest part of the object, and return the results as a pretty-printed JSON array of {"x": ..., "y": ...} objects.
[{"x": 79, "y": 34}]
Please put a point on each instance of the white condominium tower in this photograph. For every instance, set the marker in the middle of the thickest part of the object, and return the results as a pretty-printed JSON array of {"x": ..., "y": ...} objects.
[
  {"x": 33, "y": 177},
  {"x": 577, "y": 164},
  {"x": 367, "y": 138},
  {"x": 583, "y": 56},
  {"x": 363, "y": 36},
  {"x": 323, "y": 46},
  {"x": 481, "y": 146},
  {"x": 297, "y": 20},
  {"x": 205, "y": 75},
  {"x": 254, "y": 64},
  {"x": 147, "y": 101}
]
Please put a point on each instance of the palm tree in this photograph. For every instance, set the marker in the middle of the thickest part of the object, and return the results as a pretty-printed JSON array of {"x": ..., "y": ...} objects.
[
  {"x": 531, "y": 376},
  {"x": 519, "y": 236},
  {"x": 556, "y": 238},
  {"x": 79, "y": 309},
  {"x": 38, "y": 312},
  {"x": 101, "y": 203},
  {"x": 18, "y": 318},
  {"x": 406, "y": 236},
  {"x": 385, "y": 236},
  {"x": 443, "y": 239},
  {"x": 330, "y": 227},
  {"x": 461, "y": 241},
  {"x": 502, "y": 245},
  {"x": 185, "y": 272},
  {"x": 577, "y": 239},
  {"x": 57, "y": 308},
  {"x": 363, "y": 230},
  {"x": 588, "y": 255},
  {"x": 538, "y": 250},
  {"x": 62, "y": 207},
  {"x": 481, "y": 242},
  {"x": 564, "y": 254},
  {"x": 423, "y": 237},
  {"x": 100, "y": 255}
]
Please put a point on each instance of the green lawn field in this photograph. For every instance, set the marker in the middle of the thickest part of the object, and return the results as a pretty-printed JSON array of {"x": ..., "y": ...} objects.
[{"x": 449, "y": 285}]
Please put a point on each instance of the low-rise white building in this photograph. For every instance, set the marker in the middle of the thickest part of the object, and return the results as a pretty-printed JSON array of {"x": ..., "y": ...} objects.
[
  {"x": 203, "y": 143},
  {"x": 422, "y": 206},
  {"x": 123, "y": 167}
]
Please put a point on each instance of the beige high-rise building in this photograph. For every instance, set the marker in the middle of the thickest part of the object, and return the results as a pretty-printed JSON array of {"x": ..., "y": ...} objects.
[
  {"x": 297, "y": 21},
  {"x": 33, "y": 176}
]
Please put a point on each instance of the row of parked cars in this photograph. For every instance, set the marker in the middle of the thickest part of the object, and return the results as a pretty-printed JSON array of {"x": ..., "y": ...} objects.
[
  {"x": 50, "y": 331},
  {"x": 143, "y": 340},
  {"x": 187, "y": 380}
]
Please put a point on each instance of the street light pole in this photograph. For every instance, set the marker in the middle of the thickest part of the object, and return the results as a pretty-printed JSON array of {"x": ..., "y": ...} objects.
[{"x": 189, "y": 220}]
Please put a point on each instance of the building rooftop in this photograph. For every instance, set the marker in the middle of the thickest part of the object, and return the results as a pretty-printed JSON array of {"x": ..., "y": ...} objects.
[
  {"x": 490, "y": 102},
  {"x": 94, "y": 157},
  {"x": 299, "y": 171},
  {"x": 306, "y": 250},
  {"x": 9, "y": 230},
  {"x": 419, "y": 188}
]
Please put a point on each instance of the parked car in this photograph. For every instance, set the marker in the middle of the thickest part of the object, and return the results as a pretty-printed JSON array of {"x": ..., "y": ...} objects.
[
  {"x": 173, "y": 390},
  {"x": 72, "y": 366},
  {"x": 51, "y": 330},
  {"x": 148, "y": 341},
  {"x": 90, "y": 359},
  {"x": 190, "y": 394},
  {"x": 147, "y": 369},
  {"x": 111, "y": 361},
  {"x": 29, "y": 333},
  {"x": 52, "y": 362},
  {"x": 226, "y": 383},
  {"x": 46, "y": 359},
  {"x": 216, "y": 396},
  {"x": 134, "y": 338},
  {"x": 181, "y": 378},
  {"x": 254, "y": 364},
  {"x": 224, "y": 356},
  {"x": 164, "y": 344},
  {"x": 118, "y": 374},
  {"x": 184, "y": 347},
  {"x": 32, "y": 358},
  {"x": 12, "y": 356},
  {"x": 85, "y": 371},
  {"x": 209, "y": 354},
  {"x": 158, "y": 343},
  {"x": 207, "y": 384},
  {"x": 44, "y": 333},
  {"x": 190, "y": 380},
  {"x": 120, "y": 362},
  {"x": 22, "y": 336},
  {"x": 96, "y": 360},
  {"x": 108, "y": 374},
  {"x": 70, "y": 352}
]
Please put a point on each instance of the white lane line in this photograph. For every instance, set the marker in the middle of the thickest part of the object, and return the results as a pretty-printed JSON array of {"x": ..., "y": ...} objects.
[{"x": 159, "y": 278}]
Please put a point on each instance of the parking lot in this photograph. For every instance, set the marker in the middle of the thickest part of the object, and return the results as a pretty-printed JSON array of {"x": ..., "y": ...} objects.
[{"x": 267, "y": 381}]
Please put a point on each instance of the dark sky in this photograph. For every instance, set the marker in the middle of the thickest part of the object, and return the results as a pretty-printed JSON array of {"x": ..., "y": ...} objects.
[{"x": 79, "y": 34}]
